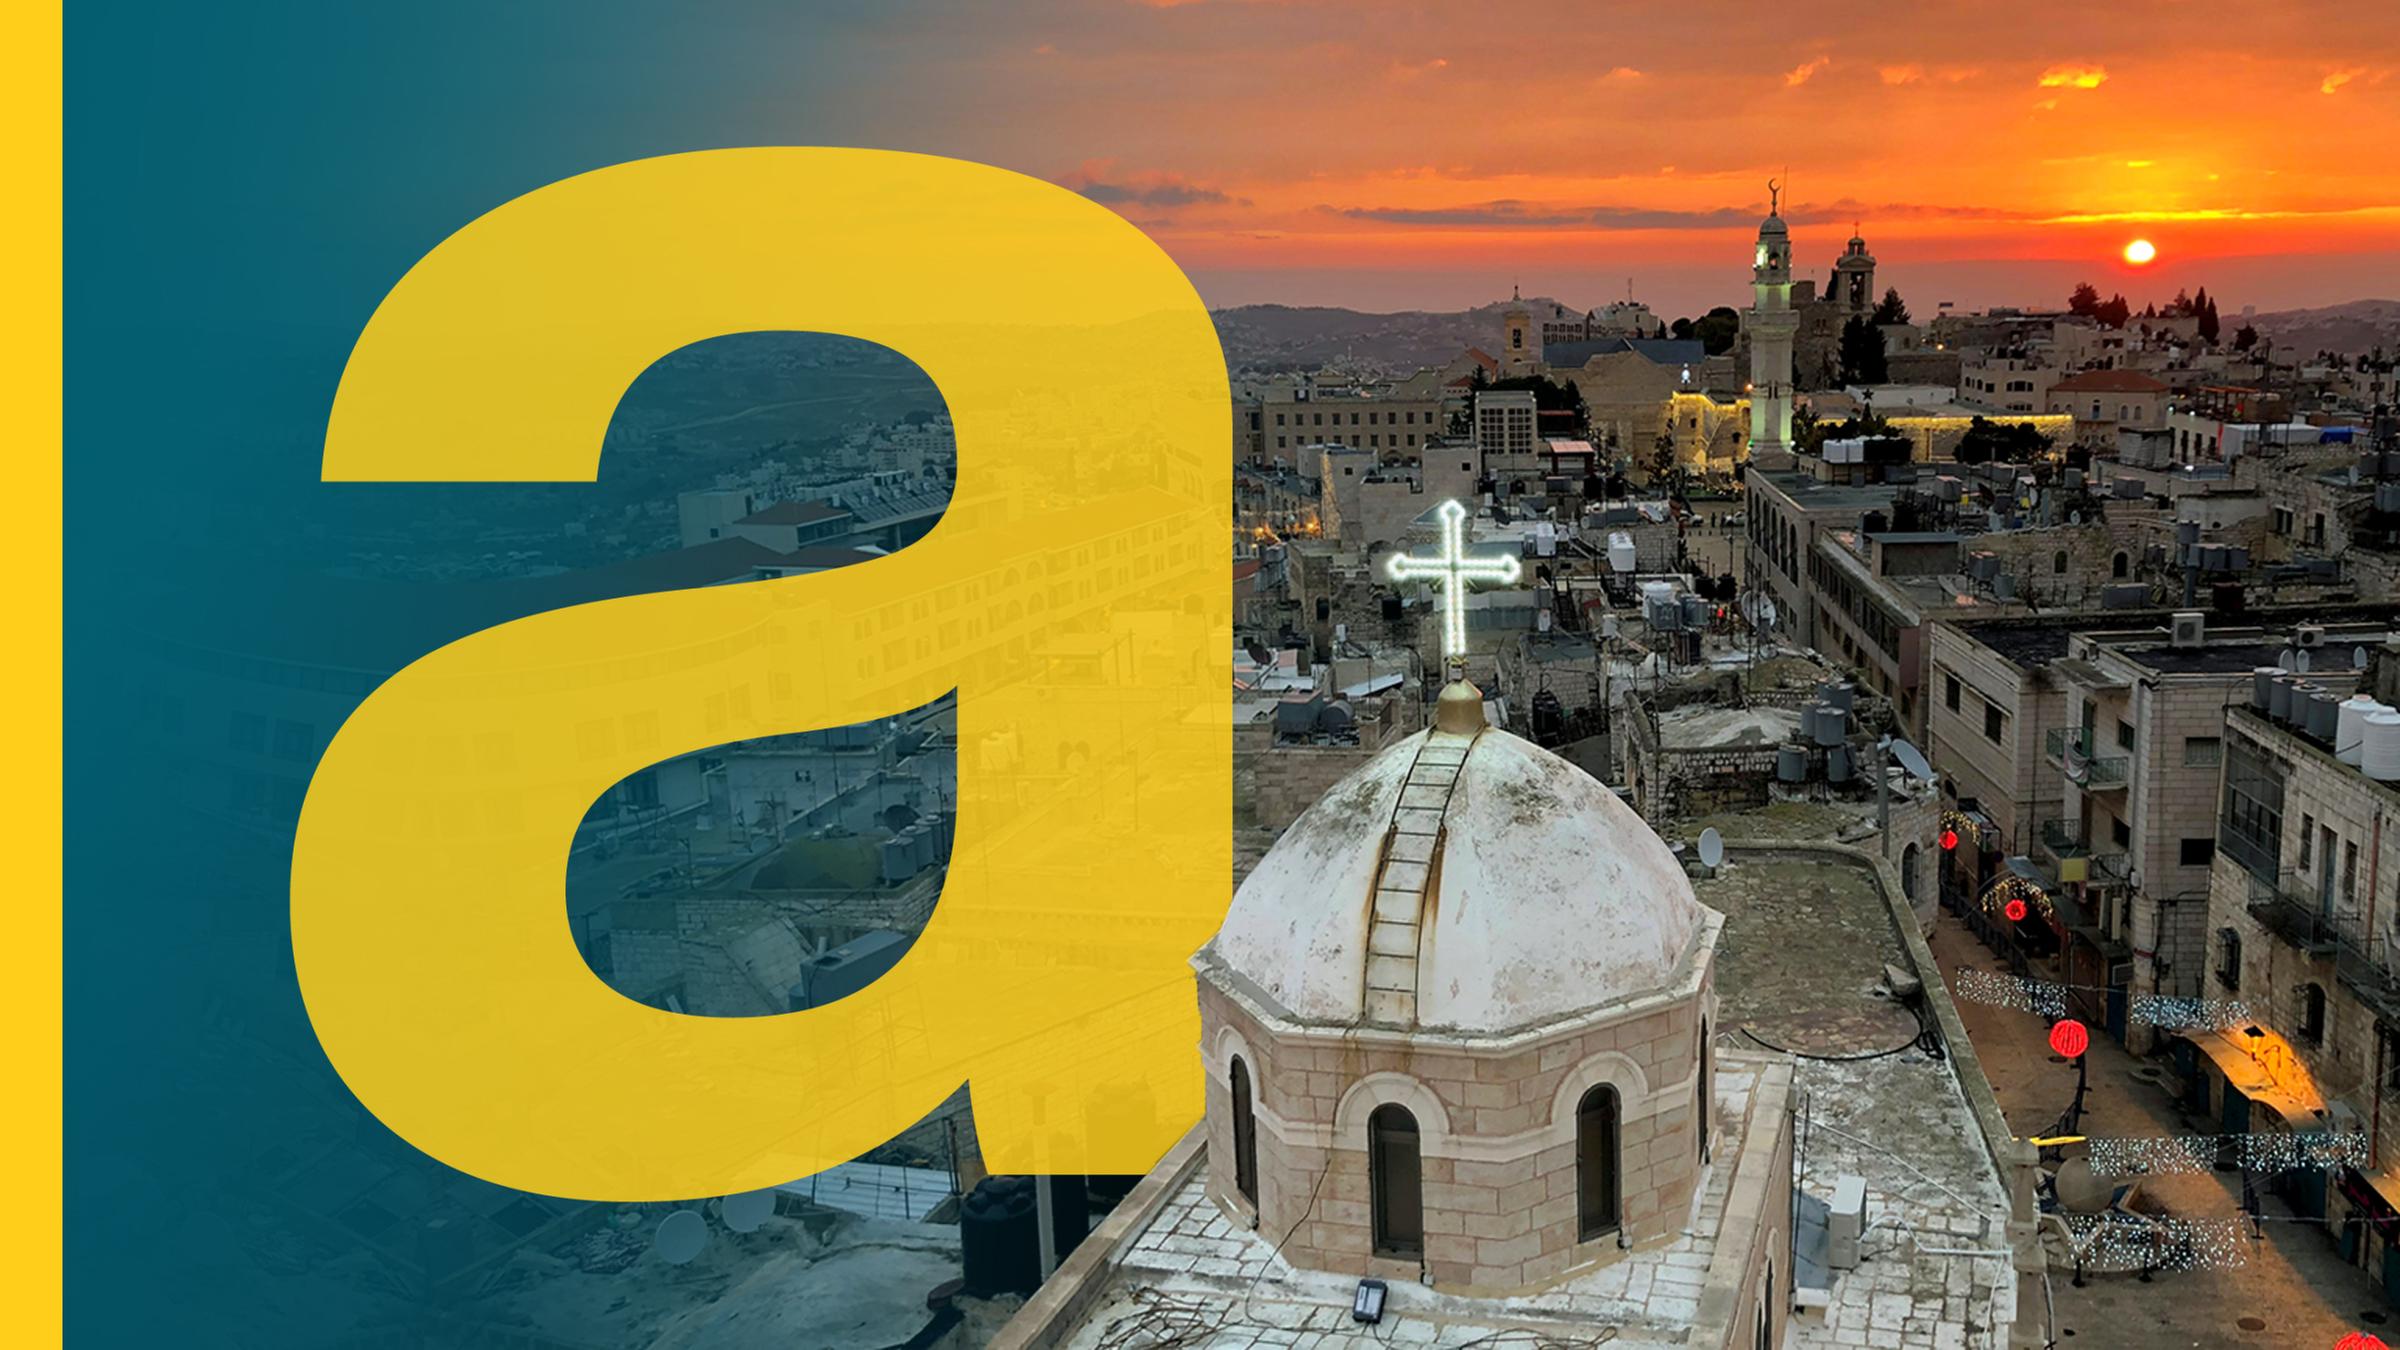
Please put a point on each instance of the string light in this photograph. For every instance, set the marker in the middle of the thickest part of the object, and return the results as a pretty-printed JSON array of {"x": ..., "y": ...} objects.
[
  {"x": 2203, "y": 1014},
  {"x": 2115, "y": 1242},
  {"x": 2017, "y": 890},
  {"x": 2011, "y": 991},
  {"x": 1959, "y": 827},
  {"x": 2048, "y": 998},
  {"x": 2265, "y": 1153}
]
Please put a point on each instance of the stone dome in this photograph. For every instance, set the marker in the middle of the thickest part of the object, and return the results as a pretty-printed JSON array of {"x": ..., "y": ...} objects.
[{"x": 1462, "y": 880}]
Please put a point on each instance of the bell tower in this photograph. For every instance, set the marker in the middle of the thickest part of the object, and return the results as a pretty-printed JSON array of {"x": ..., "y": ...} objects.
[
  {"x": 1853, "y": 285},
  {"x": 1521, "y": 342}
]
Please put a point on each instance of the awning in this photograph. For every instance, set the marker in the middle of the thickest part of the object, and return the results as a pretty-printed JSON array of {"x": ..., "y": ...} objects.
[{"x": 2281, "y": 1084}]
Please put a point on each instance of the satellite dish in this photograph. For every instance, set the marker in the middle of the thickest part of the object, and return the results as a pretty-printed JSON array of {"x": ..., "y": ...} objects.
[
  {"x": 2075, "y": 517},
  {"x": 745, "y": 1212},
  {"x": 2284, "y": 659},
  {"x": 1712, "y": 848},
  {"x": 2358, "y": 658},
  {"x": 680, "y": 1237},
  {"x": 1912, "y": 760}
]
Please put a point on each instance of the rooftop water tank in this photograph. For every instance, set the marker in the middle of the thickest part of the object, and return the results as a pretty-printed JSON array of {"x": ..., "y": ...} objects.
[
  {"x": 999, "y": 1237},
  {"x": 2279, "y": 697},
  {"x": 2379, "y": 755},
  {"x": 1620, "y": 551},
  {"x": 2262, "y": 679},
  {"x": 1837, "y": 764},
  {"x": 1791, "y": 764},
  {"x": 2323, "y": 716},
  {"x": 2295, "y": 709},
  {"x": 2350, "y": 726}
]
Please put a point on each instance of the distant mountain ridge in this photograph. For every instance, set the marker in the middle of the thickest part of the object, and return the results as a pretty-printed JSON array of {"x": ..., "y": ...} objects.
[
  {"x": 1265, "y": 339},
  {"x": 1269, "y": 338},
  {"x": 2352, "y": 328}
]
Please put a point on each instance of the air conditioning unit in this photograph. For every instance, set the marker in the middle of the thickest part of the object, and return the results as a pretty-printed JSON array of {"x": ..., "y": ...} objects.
[
  {"x": 2188, "y": 629},
  {"x": 2309, "y": 635}
]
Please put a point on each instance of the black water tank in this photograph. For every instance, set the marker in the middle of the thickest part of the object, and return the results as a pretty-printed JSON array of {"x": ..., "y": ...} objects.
[{"x": 999, "y": 1238}]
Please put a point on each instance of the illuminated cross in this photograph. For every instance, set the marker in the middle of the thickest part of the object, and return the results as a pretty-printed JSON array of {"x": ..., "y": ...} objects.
[{"x": 1453, "y": 570}]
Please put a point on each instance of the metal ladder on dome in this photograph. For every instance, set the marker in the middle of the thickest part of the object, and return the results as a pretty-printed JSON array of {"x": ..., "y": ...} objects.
[{"x": 1412, "y": 851}]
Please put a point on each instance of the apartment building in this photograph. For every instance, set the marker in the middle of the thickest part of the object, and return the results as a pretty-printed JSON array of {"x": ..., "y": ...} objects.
[{"x": 2304, "y": 920}]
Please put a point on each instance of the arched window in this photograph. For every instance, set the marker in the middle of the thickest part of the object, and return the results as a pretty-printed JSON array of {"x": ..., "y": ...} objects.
[
  {"x": 2118, "y": 565},
  {"x": 1395, "y": 1179},
  {"x": 2058, "y": 563},
  {"x": 1701, "y": 1107},
  {"x": 1766, "y": 1310},
  {"x": 1245, "y": 1134},
  {"x": 1596, "y": 1162},
  {"x": 1908, "y": 872}
]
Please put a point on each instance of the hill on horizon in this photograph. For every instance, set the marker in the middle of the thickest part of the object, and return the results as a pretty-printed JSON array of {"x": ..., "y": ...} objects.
[{"x": 1271, "y": 338}]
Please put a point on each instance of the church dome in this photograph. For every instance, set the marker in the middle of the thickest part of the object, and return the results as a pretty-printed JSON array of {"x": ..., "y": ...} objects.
[{"x": 1462, "y": 880}]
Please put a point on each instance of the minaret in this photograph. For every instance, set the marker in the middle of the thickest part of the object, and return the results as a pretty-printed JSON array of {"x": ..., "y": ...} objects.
[
  {"x": 1521, "y": 349},
  {"x": 1772, "y": 324}
]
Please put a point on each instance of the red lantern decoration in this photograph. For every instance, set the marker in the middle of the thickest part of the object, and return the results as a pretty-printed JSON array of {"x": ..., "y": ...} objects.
[
  {"x": 1949, "y": 840},
  {"x": 2069, "y": 1038},
  {"x": 2359, "y": 1340},
  {"x": 2015, "y": 910}
]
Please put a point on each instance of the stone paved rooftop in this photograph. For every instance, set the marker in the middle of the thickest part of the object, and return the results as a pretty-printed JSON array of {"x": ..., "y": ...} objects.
[
  {"x": 1800, "y": 963},
  {"x": 1193, "y": 1278}
]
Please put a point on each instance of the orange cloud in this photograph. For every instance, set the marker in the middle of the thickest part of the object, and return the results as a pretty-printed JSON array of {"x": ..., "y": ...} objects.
[
  {"x": 2073, "y": 77},
  {"x": 2335, "y": 79},
  {"x": 1805, "y": 71},
  {"x": 1901, "y": 74}
]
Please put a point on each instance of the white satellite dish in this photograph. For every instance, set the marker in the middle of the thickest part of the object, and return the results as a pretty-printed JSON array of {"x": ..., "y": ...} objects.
[
  {"x": 2075, "y": 517},
  {"x": 745, "y": 1212},
  {"x": 1912, "y": 760},
  {"x": 680, "y": 1237},
  {"x": 2358, "y": 658},
  {"x": 2284, "y": 659},
  {"x": 1712, "y": 848}
]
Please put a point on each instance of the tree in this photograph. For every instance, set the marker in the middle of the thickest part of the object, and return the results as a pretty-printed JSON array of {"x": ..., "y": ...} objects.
[
  {"x": 1549, "y": 396},
  {"x": 1662, "y": 457},
  {"x": 2209, "y": 325},
  {"x": 1987, "y": 441},
  {"x": 1891, "y": 309},
  {"x": 1863, "y": 360},
  {"x": 2115, "y": 313},
  {"x": 2085, "y": 301},
  {"x": 1810, "y": 435},
  {"x": 1717, "y": 329},
  {"x": 2244, "y": 338}
]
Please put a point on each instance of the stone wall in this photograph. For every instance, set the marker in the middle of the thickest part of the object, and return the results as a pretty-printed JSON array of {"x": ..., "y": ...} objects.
[{"x": 1496, "y": 1131}]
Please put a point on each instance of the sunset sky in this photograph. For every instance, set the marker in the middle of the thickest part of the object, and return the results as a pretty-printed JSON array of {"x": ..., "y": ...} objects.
[{"x": 1406, "y": 155}]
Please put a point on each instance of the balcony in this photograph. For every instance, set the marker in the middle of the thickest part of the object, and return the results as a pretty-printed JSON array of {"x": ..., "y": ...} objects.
[
  {"x": 2292, "y": 910},
  {"x": 2062, "y": 841},
  {"x": 2071, "y": 749}
]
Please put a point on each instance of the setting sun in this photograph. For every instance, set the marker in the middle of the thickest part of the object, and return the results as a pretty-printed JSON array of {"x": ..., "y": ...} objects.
[{"x": 2140, "y": 251}]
